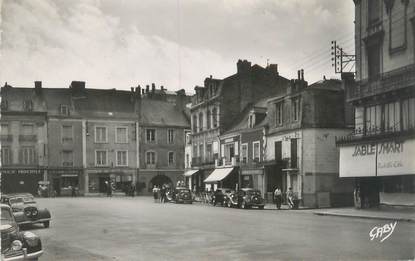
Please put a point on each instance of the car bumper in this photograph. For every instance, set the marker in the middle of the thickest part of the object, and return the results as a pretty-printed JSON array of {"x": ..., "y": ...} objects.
[
  {"x": 27, "y": 222},
  {"x": 24, "y": 256}
]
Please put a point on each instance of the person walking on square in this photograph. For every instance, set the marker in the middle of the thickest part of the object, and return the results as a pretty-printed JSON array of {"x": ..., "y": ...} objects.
[
  {"x": 278, "y": 197},
  {"x": 155, "y": 193},
  {"x": 290, "y": 197},
  {"x": 163, "y": 194}
]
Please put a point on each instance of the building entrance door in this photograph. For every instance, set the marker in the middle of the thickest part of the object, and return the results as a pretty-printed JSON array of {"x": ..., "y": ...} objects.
[{"x": 102, "y": 186}]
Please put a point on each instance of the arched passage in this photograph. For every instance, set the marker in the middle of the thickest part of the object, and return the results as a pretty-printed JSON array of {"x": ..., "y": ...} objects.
[{"x": 160, "y": 180}]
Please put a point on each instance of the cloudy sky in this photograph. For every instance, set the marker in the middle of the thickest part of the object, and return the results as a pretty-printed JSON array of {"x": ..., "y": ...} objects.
[{"x": 175, "y": 43}]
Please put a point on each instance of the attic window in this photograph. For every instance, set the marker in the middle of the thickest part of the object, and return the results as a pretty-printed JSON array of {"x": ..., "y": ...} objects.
[
  {"x": 4, "y": 105},
  {"x": 28, "y": 105},
  {"x": 64, "y": 110},
  {"x": 251, "y": 120}
]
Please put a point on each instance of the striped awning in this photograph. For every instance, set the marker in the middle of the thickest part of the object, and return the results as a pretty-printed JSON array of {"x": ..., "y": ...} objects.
[
  {"x": 190, "y": 172},
  {"x": 218, "y": 175}
]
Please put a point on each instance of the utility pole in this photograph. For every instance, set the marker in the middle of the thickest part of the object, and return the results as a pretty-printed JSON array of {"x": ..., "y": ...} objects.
[{"x": 340, "y": 59}]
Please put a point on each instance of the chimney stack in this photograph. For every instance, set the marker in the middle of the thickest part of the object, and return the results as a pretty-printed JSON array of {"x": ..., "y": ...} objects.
[
  {"x": 38, "y": 87},
  {"x": 153, "y": 87},
  {"x": 147, "y": 88},
  {"x": 299, "y": 75},
  {"x": 302, "y": 74}
]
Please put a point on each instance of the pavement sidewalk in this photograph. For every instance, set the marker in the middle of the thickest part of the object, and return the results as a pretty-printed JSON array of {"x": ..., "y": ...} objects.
[{"x": 381, "y": 213}]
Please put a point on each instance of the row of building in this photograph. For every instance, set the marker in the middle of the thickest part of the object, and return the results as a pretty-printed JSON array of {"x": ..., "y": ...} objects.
[
  {"x": 81, "y": 137},
  {"x": 325, "y": 140},
  {"x": 255, "y": 128}
]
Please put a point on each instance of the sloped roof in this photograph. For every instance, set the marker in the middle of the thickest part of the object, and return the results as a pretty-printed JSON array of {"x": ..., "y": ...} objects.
[
  {"x": 156, "y": 112},
  {"x": 241, "y": 122},
  {"x": 104, "y": 103},
  {"x": 331, "y": 84}
]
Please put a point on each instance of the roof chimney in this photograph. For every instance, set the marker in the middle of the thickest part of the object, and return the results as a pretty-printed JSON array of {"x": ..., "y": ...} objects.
[
  {"x": 153, "y": 87},
  {"x": 299, "y": 75},
  {"x": 38, "y": 87},
  {"x": 302, "y": 74},
  {"x": 147, "y": 88}
]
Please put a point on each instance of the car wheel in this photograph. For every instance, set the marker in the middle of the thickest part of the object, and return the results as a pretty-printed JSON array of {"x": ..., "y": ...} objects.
[
  {"x": 46, "y": 224},
  {"x": 261, "y": 207}
]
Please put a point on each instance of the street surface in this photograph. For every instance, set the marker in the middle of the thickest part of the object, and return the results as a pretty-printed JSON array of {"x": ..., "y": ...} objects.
[{"x": 121, "y": 228}]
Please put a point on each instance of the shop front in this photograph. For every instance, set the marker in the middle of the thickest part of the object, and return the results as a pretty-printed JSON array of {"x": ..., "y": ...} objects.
[
  {"x": 65, "y": 181},
  {"x": 253, "y": 178},
  {"x": 384, "y": 171},
  {"x": 20, "y": 180},
  {"x": 222, "y": 178},
  {"x": 121, "y": 181}
]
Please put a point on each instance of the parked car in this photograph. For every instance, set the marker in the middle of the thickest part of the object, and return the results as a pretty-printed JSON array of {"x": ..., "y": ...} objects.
[
  {"x": 220, "y": 195},
  {"x": 16, "y": 245},
  {"x": 246, "y": 198},
  {"x": 25, "y": 209},
  {"x": 182, "y": 195}
]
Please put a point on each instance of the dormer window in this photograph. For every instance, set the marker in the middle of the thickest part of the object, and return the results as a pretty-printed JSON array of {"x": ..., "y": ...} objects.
[
  {"x": 251, "y": 120},
  {"x": 28, "y": 105},
  {"x": 64, "y": 110},
  {"x": 4, "y": 105}
]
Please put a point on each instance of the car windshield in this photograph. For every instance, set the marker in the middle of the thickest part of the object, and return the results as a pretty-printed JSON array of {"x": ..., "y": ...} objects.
[
  {"x": 253, "y": 192},
  {"x": 14, "y": 201},
  {"x": 6, "y": 217},
  {"x": 29, "y": 199}
]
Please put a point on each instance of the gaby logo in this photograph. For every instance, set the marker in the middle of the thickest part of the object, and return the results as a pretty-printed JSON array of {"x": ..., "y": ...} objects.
[{"x": 382, "y": 232}]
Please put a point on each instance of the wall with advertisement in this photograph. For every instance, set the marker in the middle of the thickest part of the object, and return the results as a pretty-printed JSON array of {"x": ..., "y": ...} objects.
[{"x": 385, "y": 158}]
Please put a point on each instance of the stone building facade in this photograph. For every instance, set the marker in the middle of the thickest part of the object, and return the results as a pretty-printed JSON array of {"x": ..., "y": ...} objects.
[
  {"x": 378, "y": 154},
  {"x": 23, "y": 137},
  {"x": 81, "y": 137},
  {"x": 217, "y": 103},
  {"x": 300, "y": 150}
]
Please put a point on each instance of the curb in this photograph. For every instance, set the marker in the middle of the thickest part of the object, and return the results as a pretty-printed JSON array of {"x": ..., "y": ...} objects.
[{"x": 364, "y": 217}]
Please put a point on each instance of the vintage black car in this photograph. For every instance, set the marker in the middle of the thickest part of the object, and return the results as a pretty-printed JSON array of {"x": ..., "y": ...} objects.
[
  {"x": 25, "y": 209},
  {"x": 246, "y": 198},
  {"x": 182, "y": 195},
  {"x": 16, "y": 245},
  {"x": 220, "y": 196}
]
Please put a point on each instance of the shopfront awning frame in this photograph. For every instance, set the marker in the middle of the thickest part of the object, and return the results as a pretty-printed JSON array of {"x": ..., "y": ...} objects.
[
  {"x": 191, "y": 172},
  {"x": 218, "y": 175}
]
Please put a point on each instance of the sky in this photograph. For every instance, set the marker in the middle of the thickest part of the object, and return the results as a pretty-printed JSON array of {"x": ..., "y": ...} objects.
[{"x": 174, "y": 43}]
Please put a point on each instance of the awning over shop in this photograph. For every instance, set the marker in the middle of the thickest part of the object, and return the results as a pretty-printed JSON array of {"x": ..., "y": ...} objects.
[
  {"x": 191, "y": 172},
  {"x": 218, "y": 175}
]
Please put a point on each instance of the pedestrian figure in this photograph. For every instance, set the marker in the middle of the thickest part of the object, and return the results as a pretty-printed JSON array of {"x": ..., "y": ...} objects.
[
  {"x": 39, "y": 190},
  {"x": 109, "y": 188},
  {"x": 278, "y": 197},
  {"x": 357, "y": 198},
  {"x": 73, "y": 190},
  {"x": 132, "y": 190},
  {"x": 163, "y": 194},
  {"x": 155, "y": 193},
  {"x": 290, "y": 197}
]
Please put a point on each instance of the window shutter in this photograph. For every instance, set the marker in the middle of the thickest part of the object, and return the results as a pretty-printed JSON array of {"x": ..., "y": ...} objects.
[{"x": 236, "y": 148}]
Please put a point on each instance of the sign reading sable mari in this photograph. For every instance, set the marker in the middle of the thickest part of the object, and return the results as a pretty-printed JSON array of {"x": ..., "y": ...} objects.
[{"x": 386, "y": 158}]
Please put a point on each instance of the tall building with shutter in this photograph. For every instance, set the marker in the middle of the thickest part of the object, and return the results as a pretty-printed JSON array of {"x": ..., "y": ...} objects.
[
  {"x": 23, "y": 137},
  {"x": 379, "y": 154},
  {"x": 214, "y": 108}
]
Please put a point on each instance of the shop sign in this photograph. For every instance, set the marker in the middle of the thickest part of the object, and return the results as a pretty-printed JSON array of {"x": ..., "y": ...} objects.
[
  {"x": 358, "y": 161},
  {"x": 252, "y": 172},
  {"x": 386, "y": 158},
  {"x": 396, "y": 158},
  {"x": 22, "y": 171},
  {"x": 64, "y": 172}
]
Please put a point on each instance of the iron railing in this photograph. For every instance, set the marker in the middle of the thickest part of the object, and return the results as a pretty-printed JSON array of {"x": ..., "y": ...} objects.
[{"x": 397, "y": 79}]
